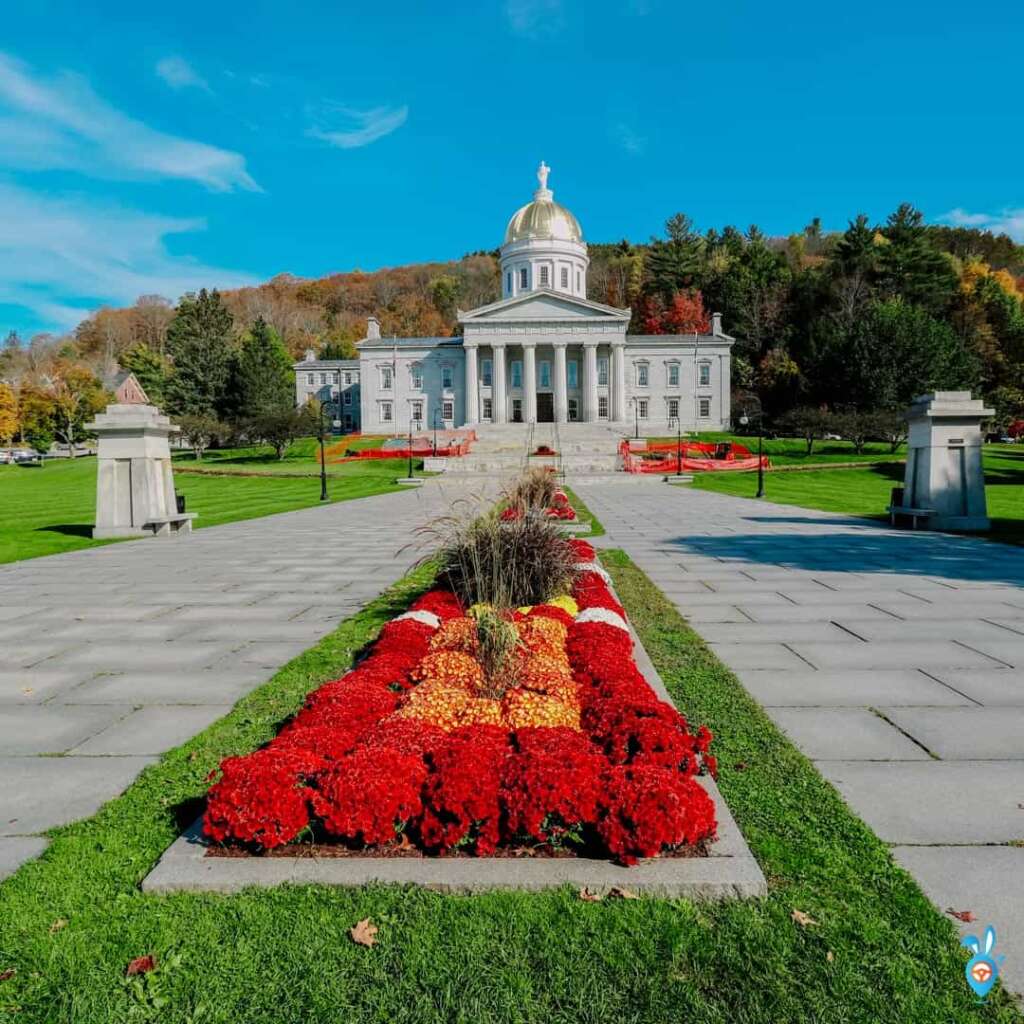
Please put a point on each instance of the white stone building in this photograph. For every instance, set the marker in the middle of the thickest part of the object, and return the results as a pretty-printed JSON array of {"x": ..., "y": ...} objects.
[{"x": 542, "y": 353}]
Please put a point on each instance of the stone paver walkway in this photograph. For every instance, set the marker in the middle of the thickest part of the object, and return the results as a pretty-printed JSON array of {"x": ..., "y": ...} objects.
[
  {"x": 894, "y": 660},
  {"x": 113, "y": 655}
]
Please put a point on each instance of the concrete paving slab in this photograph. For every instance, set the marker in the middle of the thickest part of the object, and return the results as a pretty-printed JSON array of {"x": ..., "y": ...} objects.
[
  {"x": 996, "y": 687},
  {"x": 759, "y": 655},
  {"x": 934, "y": 802},
  {"x": 145, "y": 656},
  {"x": 846, "y": 734},
  {"x": 861, "y": 688},
  {"x": 778, "y": 633},
  {"x": 34, "y": 685},
  {"x": 35, "y": 729},
  {"x": 1009, "y": 652},
  {"x": 40, "y": 793},
  {"x": 893, "y": 654},
  {"x": 210, "y": 686},
  {"x": 789, "y": 614},
  {"x": 986, "y": 880},
  {"x": 966, "y": 734},
  {"x": 973, "y": 632},
  {"x": 152, "y": 730},
  {"x": 16, "y": 850}
]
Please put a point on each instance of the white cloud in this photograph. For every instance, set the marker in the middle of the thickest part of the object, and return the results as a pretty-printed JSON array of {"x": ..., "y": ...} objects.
[
  {"x": 179, "y": 74},
  {"x": 534, "y": 18},
  {"x": 62, "y": 123},
  {"x": 360, "y": 127},
  {"x": 1006, "y": 222},
  {"x": 624, "y": 135},
  {"x": 61, "y": 257}
]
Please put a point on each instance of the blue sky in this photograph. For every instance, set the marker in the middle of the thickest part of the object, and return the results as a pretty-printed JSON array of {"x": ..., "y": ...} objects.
[{"x": 153, "y": 148}]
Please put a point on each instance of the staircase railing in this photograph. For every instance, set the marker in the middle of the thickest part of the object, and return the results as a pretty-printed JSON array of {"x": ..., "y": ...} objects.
[
  {"x": 559, "y": 470},
  {"x": 529, "y": 444}
]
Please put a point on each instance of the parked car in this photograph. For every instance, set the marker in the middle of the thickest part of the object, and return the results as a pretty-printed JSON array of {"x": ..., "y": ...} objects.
[
  {"x": 25, "y": 455},
  {"x": 6, "y": 457}
]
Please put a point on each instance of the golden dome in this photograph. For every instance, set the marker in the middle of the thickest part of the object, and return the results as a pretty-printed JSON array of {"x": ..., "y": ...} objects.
[{"x": 543, "y": 218}]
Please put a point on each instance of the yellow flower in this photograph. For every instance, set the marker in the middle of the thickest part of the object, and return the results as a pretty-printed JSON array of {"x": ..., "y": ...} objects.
[
  {"x": 566, "y": 603},
  {"x": 479, "y": 609}
]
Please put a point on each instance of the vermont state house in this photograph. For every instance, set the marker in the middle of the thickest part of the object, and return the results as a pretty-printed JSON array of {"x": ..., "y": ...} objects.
[{"x": 543, "y": 353}]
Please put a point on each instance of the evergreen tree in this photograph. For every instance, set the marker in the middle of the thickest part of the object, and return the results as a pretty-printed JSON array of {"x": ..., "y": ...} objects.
[
  {"x": 911, "y": 267},
  {"x": 262, "y": 378},
  {"x": 676, "y": 262},
  {"x": 198, "y": 341},
  {"x": 151, "y": 371}
]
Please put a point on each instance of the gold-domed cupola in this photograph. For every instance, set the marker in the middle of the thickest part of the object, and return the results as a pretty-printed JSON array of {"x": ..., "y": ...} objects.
[{"x": 544, "y": 247}]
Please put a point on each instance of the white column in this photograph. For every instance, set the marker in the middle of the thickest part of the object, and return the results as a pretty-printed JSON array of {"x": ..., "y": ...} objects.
[
  {"x": 498, "y": 393},
  {"x": 590, "y": 381},
  {"x": 530, "y": 381},
  {"x": 472, "y": 387},
  {"x": 619, "y": 381},
  {"x": 561, "y": 387}
]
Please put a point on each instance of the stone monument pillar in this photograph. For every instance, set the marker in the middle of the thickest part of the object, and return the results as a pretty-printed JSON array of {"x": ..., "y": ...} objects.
[
  {"x": 134, "y": 483},
  {"x": 944, "y": 472}
]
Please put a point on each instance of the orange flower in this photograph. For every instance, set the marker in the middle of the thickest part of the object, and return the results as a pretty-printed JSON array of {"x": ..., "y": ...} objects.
[
  {"x": 456, "y": 635},
  {"x": 481, "y": 711},
  {"x": 439, "y": 705},
  {"x": 525, "y": 708},
  {"x": 450, "y": 668},
  {"x": 543, "y": 636}
]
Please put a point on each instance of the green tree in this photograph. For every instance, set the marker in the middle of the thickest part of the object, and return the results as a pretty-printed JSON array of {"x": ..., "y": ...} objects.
[
  {"x": 150, "y": 369},
  {"x": 200, "y": 432},
  {"x": 77, "y": 396},
  {"x": 675, "y": 263},
  {"x": 279, "y": 427},
  {"x": 910, "y": 267},
  {"x": 262, "y": 379},
  {"x": 807, "y": 422},
  {"x": 339, "y": 349},
  {"x": 198, "y": 341}
]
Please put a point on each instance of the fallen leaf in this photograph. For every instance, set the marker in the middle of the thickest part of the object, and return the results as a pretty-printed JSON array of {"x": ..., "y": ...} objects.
[
  {"x": 803, "y": 919},
  {"x": 27, "y": 690},
  {"x": 141, "y": 965},
  {"x": 740, "y": 766},
  {"x": 364, "y": 932},
  {"x": 57, "y": 925},
  {"x": 8, "y": 974},
  {"x": 622, "y": 894},
  {"x": 961, "y": 915},
  {"x": 830, "y": 956},
  {"x": 589, "y": 897}
]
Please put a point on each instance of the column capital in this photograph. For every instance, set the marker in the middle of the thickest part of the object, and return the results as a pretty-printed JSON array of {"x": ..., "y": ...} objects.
[
  {"x": 591, "y": 342},
  {"x": 527, "y": 343},
  {"x": 557, "y": 343},
  {"x": 470, "y": 344}
]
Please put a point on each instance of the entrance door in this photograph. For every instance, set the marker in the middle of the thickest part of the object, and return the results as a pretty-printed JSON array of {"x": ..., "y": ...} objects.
[{"x": 545, "y": 407}]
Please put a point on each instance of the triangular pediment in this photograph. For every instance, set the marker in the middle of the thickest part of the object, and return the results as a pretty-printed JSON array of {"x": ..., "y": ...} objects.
[{"x": 544, "y": 305}]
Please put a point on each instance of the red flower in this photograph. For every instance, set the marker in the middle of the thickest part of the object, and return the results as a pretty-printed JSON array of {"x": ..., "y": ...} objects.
[
  {"x": 443, "y": 603},
  {"x": 584, "y": 552}
]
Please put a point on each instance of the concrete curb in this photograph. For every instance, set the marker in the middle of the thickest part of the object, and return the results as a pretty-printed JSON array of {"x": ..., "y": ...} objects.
[{"x": 728, "y": 872}]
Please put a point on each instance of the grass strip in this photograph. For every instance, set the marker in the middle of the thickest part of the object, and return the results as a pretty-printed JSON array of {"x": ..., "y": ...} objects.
[
  {"x": 583, "y": 514},
  {"x": 73, "y": 920}
]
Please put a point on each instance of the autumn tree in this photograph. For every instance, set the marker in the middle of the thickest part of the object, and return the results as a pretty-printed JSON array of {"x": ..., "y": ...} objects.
[
  {"x": 684, "y": 314},
  {"x": 198, "y": 340},
  {"x": 150, "y": 369},
  {"x": 8, "y": 413},
  {"x": 77, "y": 396}
]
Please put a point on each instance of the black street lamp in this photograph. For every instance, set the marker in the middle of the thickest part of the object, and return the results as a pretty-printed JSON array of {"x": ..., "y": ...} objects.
[
  {"x": 323, "y": 460},
  {"x": 744, "y": 421},
  {"x": 437, "y": 412},
  {"x": 412, "y": 402},
  {"x": 635, "y": 402},
  {"x": 679, "y": 443}
]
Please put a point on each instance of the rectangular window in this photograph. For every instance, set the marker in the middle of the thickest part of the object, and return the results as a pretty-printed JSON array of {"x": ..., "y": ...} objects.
[
  {"x": 705, "y": 408},
  {"x": 574, "y": 410},
  {"x": 323, "y": 378},
  {"x": 448, "y": 410},
  {"x": 416, "y": 378},
  {"x": 310, "y": 378},
  {"x": 417, "y": 412},
  {"x": 486, "y": 372},
  {"x": 517, "y": 410},
  {"x": 602, "y": 371},
  {"x": 447, "y": 377},
  {"x": 704, "y": 378},
  {"x": 385, "y": 378},
  {"x": 348, "y": 377},
  {"x": 642, "y": 375},
  {"x": 572, "y": 371},
  {"x": 673, "y": 408},
  {"x": 523, "y": 277},
  {"x": 517, "y": 373},
  {"x": 544, "y": 380},
  {"x": 565, "y": 278},
  {"x": 385, "y": 412},
  {"x": 488, "y": 408},
  {"x": 673, "y": 375},
  {"x": 544, "y": 277},
  {"x": 602, "y": 407},
  {"x": 348, "y": 397},
  {"x": 334, "y": 377},
  {"x": 578, "y": 281},
  {"x": 508, "y": 282},
  {"x": 643, "y": 404}
]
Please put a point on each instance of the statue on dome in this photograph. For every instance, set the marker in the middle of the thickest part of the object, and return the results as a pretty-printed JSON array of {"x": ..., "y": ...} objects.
[{"x": 542, "y": 174}]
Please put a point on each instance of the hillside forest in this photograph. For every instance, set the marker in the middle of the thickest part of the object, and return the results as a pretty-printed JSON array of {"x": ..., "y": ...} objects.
[{"x": 852, "y": 322}]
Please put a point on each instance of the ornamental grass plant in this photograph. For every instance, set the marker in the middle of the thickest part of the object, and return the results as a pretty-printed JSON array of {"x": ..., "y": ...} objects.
[{"x": 533, "y": 490}]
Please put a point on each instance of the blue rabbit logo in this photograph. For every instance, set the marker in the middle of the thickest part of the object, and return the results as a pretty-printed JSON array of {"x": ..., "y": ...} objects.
[{"x": 982, "y": 969}]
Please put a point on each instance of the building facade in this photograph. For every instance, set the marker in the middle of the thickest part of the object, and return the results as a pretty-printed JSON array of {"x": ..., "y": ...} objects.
[
  {"x": 334, "y": 381},
  {"x": 542, "y": 353}
]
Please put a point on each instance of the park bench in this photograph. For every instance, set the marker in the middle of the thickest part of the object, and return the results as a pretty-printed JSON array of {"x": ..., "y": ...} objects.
[
  {"x": 181, "y": 522},
  {"x": 913, "y": 514}
]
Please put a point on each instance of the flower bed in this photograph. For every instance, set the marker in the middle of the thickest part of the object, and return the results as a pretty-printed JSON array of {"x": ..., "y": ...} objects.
[
  {"x": 558, "y": 509},
  {"x": 566, "y": 749}
]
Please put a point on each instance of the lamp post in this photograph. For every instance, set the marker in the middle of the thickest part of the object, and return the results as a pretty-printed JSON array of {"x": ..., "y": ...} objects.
[
  {"x": 411, "y": 402},
  {"x": 323, "y": 460},
  {"x": 744, "y": 421},
  {"x": 437, "y": 411},
  {"x": 635, "y": 402},
  {"x": 679, "y": 443}
]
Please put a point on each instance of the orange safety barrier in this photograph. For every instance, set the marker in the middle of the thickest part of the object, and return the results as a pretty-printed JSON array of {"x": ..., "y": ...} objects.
[
  {"x": 456, "y": 446},
  {"x": 697, "y": 456}
]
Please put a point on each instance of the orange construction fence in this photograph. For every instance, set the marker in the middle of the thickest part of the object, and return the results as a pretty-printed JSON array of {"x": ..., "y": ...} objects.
[{"x": 699, "y": 456}]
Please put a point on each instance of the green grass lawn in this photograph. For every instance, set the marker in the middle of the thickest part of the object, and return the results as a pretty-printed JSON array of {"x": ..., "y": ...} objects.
[
  {"x": 877, "y": 951},
  {"x": 865, "y": 492},
  {"x": 792, "y": 451},
  {"x": 301, "y": 457},
  {"x": 47, "y": 510},
  {"x": 583, "y": 514}
]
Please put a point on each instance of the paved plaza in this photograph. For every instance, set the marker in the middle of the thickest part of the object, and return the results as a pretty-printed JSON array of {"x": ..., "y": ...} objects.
[
  {"x": 894, "y": 660},
  {"x": 113, "y": 655}
]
